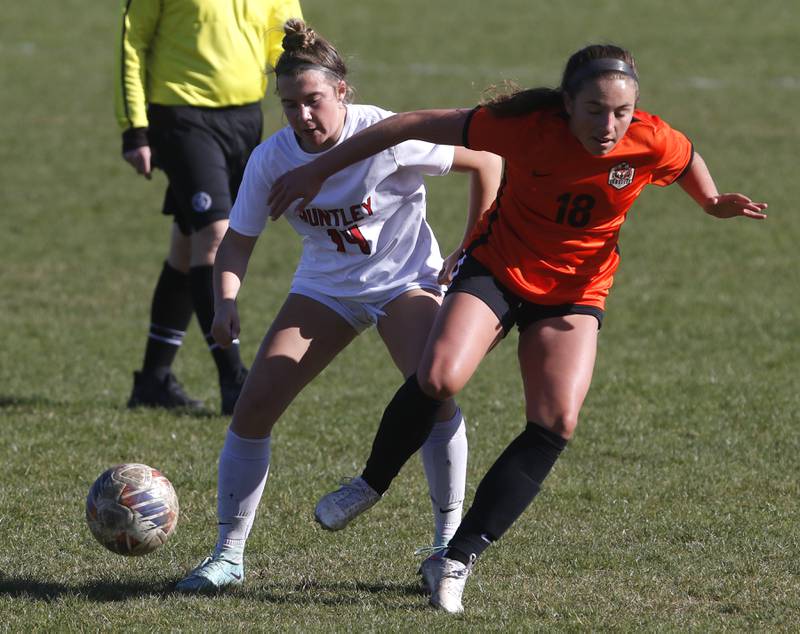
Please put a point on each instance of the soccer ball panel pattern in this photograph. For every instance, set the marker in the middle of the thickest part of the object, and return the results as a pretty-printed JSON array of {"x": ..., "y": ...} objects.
[{"x": 132, "y": 509}]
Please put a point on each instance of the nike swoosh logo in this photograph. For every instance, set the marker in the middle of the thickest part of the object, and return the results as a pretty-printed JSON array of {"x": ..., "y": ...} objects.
[
  {"x": 441, "y": 510},
  {"x": 235, "y": 576}
]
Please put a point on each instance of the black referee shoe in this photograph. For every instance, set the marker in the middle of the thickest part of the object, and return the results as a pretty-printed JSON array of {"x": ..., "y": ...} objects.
[
  {"x": 229, "y": 389},
  {"x": 150, "y": 391}
]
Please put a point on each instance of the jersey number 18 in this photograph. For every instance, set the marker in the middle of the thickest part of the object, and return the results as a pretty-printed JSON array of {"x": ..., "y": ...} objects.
[{"x": 578, "y": 213}]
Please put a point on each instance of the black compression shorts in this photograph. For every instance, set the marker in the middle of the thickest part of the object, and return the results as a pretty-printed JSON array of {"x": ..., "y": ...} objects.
[
  {"x": 474, "y": 278},
  {"x": 203, "y": 152}
]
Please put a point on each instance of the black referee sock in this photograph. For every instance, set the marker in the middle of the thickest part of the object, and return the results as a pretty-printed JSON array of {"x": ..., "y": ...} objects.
[
  {"x": 170, "y": 314},
  {"x": 407, "y": 421},
  {"x": 228, "y": 361},
  {"x": 506, "y": 490}
]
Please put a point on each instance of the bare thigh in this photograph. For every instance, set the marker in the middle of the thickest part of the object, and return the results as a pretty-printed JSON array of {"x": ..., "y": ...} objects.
[
  {"x": 304, "y": 338},
  {"x": 465, "y": 330},
  {"x": 405, "y": 329},
  {"x": 556, "y": 358},
  {"x": 406, "y": 326}
]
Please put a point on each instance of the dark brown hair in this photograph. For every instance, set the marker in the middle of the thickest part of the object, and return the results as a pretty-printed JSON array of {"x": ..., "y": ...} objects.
[
  {"x": 578, "y": 70},
  {"x": 304, "y": 49}
]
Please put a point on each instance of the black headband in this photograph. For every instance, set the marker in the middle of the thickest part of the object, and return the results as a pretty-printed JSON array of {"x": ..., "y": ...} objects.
[{"x": 596, "y": 67}]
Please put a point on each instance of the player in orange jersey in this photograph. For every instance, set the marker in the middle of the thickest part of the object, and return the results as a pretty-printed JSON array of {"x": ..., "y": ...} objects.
[{"x": 543, "y": 257}]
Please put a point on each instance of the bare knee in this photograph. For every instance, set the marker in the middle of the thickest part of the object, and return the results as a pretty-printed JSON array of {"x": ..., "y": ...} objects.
[
  {"x": 250, "y": 418},
  {"x": 562, "y": 423},
  {"x": 439, "y": 383}
]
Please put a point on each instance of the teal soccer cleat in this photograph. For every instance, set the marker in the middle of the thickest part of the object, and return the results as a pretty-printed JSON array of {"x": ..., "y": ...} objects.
[{"x": 212, "y": 575}]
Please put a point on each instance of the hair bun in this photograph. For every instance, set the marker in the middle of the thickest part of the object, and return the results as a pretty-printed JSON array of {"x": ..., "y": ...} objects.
[{"x": 297, "y": 35}]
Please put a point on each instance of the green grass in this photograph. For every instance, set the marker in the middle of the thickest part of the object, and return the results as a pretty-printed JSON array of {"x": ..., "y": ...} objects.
[{"x": 675, "y": 507}]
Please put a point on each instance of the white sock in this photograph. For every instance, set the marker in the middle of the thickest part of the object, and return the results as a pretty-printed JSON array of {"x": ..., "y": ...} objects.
[
  {"x": 444, "y": 456},
  {"x": 243, "y": 470}
]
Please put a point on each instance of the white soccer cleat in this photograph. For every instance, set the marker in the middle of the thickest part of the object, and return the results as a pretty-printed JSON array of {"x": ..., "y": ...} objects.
[
  {"x": 430, "y": 570},
  {"x": 335, "y": 510},
  {"x": 452, "y": 577},
  {"x": 430, "y": 567}
]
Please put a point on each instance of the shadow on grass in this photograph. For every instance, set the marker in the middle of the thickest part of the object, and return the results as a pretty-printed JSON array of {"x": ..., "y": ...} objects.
[
  {"x": 306, "y": 593},
  {"x": 179, "y": 412},
  {"x": 310, "y": 592},
  {"x": 7, "y": 401},
  {"x": 24, "y": 588},
  {"x": 36, "y": 402}
]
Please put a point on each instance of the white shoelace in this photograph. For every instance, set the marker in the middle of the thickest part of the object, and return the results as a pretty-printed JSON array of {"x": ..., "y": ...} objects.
[{"x": 430, "y": 550}]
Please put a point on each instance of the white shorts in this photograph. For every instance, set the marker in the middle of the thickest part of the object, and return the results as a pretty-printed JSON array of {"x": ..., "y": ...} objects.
[{"x": 364, "y": 314}]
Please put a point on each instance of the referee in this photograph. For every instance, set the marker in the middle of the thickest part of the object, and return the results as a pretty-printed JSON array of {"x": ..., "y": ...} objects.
[{"x": 190, "y": 76}]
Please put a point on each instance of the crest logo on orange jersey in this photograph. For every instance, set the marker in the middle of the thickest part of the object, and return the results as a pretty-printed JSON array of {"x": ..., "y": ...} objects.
[{"x": 621, "y": 175}]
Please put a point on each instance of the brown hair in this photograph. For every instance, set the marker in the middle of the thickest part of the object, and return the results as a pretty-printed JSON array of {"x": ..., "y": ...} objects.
[
  {"x": 582, "y": 66},
  {"x": 304, "y": 49}
]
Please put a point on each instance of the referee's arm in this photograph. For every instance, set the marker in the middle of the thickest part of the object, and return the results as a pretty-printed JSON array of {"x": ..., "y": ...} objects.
[{"x": 138, "y": 26}]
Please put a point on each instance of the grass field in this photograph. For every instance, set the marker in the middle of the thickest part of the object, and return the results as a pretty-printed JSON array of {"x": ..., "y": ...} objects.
[{"x": 675, "y": 507}]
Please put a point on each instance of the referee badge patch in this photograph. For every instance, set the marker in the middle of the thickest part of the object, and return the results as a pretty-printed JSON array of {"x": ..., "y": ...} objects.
[
  {"x": 621, "y": 175},
  {"x": 201, "y": 202}
]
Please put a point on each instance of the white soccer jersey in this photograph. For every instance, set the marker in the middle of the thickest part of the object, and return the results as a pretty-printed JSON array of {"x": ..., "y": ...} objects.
[{"x": 365, "y": 233}]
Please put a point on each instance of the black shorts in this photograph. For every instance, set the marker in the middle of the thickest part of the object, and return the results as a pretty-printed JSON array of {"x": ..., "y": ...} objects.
[
  {"x": 474, "y": 278},
  {"x": 203, "y": 152}
]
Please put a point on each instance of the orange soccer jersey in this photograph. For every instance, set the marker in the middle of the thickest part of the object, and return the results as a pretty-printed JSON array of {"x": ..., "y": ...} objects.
[{"x": 551, "y": 235}]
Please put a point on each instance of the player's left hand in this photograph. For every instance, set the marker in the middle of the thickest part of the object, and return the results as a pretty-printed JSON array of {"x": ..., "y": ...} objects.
[
  {"x": 448, "y": 266},
  {"x": 226, "y": 326},
  {"x": 141, "y": 160},
  {"x": 732, "y": 205}
]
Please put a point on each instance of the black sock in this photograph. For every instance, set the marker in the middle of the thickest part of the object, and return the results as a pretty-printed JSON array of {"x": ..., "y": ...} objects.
[
  {"x": 506, "y": 490},
  {"x": 228, "y": 361},
  {"x": 170, "y": 314},
  {"x": 407, "y": 421}
]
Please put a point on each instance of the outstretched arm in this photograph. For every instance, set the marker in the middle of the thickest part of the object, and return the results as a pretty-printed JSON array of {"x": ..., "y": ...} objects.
[
  {"x": 698, "y": 183},
  {"x": 230, "y": 267},
  {"x": 435, "y": 126},
  {"x": 485, "y": 171}
]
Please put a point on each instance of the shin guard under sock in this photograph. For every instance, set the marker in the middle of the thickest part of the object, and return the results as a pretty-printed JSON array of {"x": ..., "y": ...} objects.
[
  {"x": 506, "y": 490},
  {"x": 405, "y": 426},
  {"x": 170, "y": 314},
  {"x": 444, "y": 457},
  {"x": 243, "y": 471}
]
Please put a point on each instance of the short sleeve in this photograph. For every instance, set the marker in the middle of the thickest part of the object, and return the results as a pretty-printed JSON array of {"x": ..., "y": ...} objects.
[
  {"x": 250, "y": 210},
  {"x": 430, "y": 159},
  {"x": 499, "y": 135},
  {"x": 675, "y": 152}
]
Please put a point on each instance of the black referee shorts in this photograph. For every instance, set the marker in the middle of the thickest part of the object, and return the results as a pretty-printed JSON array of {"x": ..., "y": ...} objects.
[
  {"x": 474, "y": 278},
  {"x": 203, "y": 152}
]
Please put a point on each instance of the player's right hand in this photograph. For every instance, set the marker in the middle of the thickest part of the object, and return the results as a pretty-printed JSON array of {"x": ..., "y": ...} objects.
[
  {"x": 226, "y": 325},
  {"x": 140, "y": 158},
  {"x": 449, "y": 265}
]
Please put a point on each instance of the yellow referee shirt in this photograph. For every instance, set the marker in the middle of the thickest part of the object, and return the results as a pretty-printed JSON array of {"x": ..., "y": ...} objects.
[{"x": 209, "y": 53}]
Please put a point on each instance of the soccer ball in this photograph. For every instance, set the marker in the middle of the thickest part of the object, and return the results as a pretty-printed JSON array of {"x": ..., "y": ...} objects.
[{"x": 132, "y": 509}]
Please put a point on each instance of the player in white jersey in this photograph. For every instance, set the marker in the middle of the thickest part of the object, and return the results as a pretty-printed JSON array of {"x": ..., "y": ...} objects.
[{"x": 369, "y": 257}]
